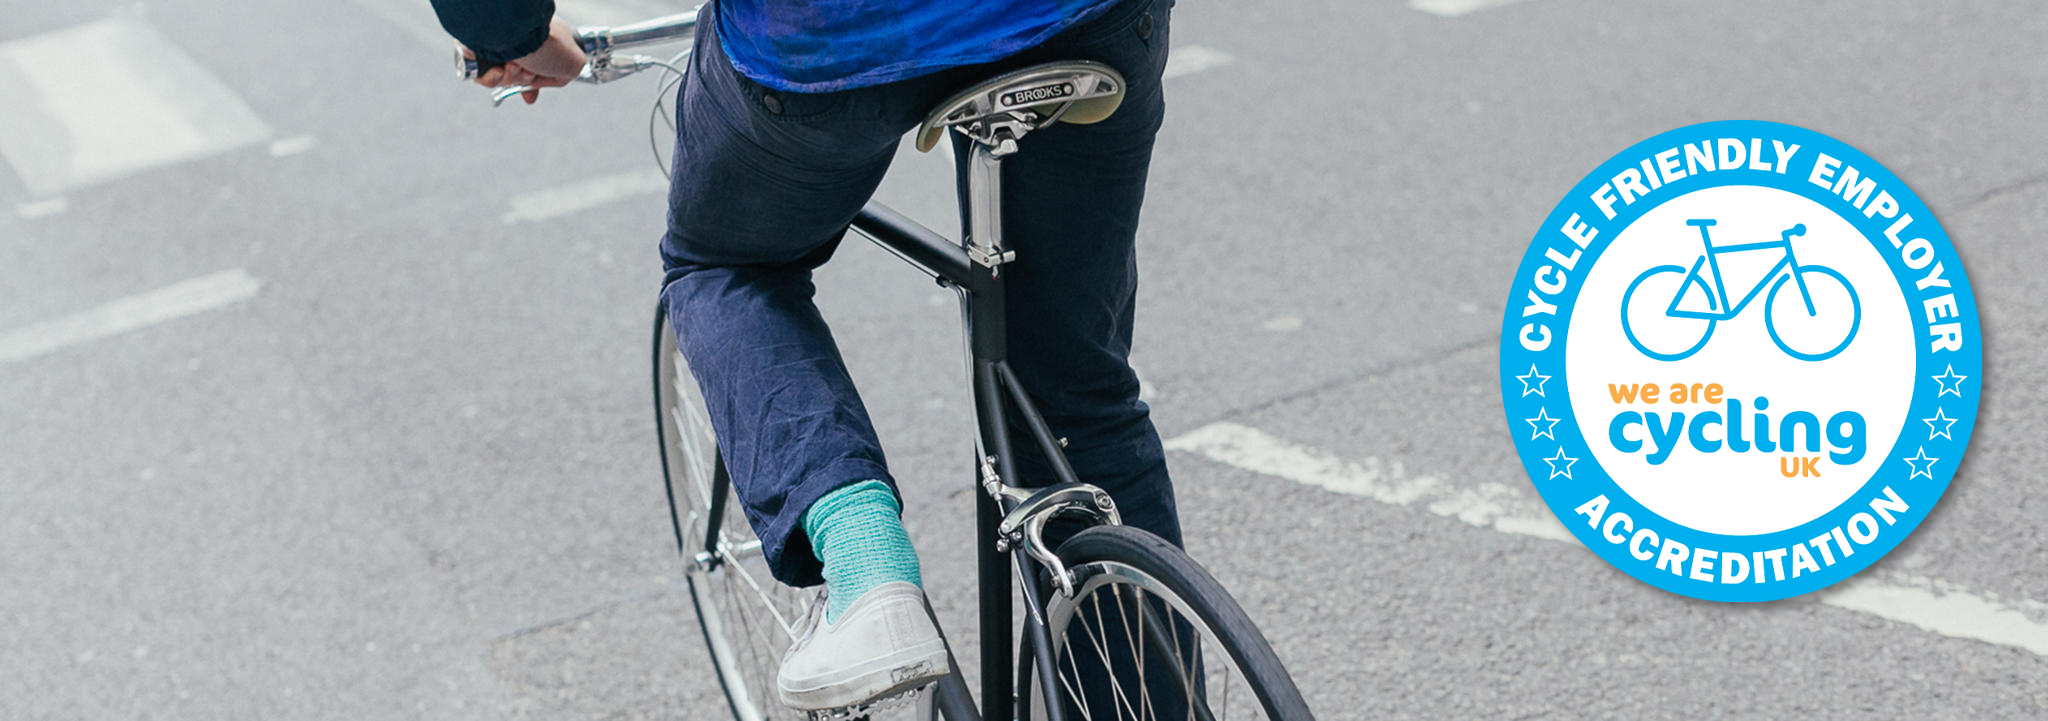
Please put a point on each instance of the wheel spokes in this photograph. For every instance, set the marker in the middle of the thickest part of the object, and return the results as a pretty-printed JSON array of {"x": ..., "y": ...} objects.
[{"x": 1152, "y": 628}]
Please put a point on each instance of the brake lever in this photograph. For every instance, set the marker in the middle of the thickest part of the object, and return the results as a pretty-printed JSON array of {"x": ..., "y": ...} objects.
[
  {"x": 500, "y": 95},
  {"x": 602, "y": 68}
]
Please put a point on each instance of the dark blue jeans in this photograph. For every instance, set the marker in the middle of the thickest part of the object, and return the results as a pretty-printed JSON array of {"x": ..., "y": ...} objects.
[{"x": 765, "y": 185}]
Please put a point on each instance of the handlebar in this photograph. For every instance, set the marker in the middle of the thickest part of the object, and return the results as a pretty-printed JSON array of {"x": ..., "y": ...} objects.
[{"x": 600, "y": 43}]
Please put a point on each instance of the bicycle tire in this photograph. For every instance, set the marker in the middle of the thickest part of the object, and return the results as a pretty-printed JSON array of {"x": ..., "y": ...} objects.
[
  {"x": 1771, "y": 317},
  {"x": 1122, "y": 556},
  {"x": 1628, "y": 329}
]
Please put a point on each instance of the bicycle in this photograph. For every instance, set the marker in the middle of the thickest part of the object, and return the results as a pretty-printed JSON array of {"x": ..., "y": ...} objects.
[
  {"x": 1187, "y": 643},
  {"x": 1806, "y": 277}
]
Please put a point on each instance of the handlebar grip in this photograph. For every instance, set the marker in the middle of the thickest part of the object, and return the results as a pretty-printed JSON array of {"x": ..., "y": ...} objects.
[{"x": 466, "y": 67}]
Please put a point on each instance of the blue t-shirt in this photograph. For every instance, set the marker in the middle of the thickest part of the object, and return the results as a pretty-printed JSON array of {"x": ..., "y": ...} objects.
[{"x": 815, "y": 46}]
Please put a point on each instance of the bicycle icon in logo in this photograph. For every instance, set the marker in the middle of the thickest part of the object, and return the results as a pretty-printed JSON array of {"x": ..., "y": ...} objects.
[{"x": 1700, "y": 300}]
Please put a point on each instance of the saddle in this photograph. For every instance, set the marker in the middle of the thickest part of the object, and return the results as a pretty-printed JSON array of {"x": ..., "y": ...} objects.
[{"x": 1002, "y": 109}]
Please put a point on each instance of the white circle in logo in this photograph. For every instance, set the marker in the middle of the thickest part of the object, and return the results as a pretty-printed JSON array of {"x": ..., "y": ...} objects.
[{"x": 1719, "y": 473}]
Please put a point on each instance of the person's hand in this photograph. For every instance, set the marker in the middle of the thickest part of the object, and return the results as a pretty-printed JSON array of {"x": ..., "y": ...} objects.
[{"x": 554, "y": 65}]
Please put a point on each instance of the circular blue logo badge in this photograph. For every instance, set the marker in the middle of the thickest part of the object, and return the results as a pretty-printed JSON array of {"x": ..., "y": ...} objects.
[{"x": 1741, "y": 361}]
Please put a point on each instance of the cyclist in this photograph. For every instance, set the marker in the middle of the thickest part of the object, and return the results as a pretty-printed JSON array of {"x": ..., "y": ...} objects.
[{"x": 789, "y": 117}]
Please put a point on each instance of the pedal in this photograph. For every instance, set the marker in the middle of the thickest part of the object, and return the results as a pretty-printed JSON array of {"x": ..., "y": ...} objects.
[{"x": 865, "y": 711}]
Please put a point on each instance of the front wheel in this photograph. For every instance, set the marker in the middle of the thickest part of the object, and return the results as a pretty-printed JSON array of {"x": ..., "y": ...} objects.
[
  {"x": 1818, "y": 319},
  {"x": 1148, "y": 634},
  {"x": 744, "y": 614}
]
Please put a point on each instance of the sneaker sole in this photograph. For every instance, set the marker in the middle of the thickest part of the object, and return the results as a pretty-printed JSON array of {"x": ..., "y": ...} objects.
[
  {"x": 870, "y": 687},
  {"x": 865, "y": 711}
]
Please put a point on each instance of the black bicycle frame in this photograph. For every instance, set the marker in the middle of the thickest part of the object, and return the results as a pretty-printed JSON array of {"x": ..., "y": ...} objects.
[{"x": 998, "y": 397}]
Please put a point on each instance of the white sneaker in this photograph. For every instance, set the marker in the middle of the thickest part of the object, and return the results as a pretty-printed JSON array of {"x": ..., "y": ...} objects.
[{"x": 882, "y": 646}]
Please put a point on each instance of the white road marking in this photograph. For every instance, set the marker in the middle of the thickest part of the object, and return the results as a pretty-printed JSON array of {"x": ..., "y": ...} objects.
[
  {"x": 1146, "y": 391},
  {"x": 1282, "y": 323},
  {"x": 293, "y": 146},
  {"x": 1486, "y": 506},
  {"x": 1944, "y": 609},
  {"x": 1454, "y": 8},
  {"x": 1191, "y": 59},
  {"x": 1930, "y": 604},
  {"x": 170, "y": 302},
  {"x": 108, "y": 99},
  {"x": 42, "y": 208},
  {"x": 583, "y": 195}
]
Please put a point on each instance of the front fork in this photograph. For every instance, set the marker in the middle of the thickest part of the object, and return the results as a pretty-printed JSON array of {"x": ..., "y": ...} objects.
[
  {"x": 1792, "y": 266},
  {"x": 1021, "y": 534}
]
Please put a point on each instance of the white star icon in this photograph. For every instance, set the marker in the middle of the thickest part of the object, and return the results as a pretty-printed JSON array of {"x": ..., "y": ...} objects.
[
  {"x": 1941, "y": 431},
  {"x": 1916, "y": 460},
  {"x": 1564, "y": 470},
  {"x": 1950, "y": 383},
  {"x": 1537, "y": 388},
  {"x": 1542, "y": 424}
]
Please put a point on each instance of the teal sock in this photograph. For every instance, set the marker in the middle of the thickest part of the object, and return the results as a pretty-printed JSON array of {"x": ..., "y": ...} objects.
[{"x": 857, "y": 531}]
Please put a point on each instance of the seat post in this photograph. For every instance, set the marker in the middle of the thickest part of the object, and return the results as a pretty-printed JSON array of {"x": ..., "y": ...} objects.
[{"x": 985, "y": 204}]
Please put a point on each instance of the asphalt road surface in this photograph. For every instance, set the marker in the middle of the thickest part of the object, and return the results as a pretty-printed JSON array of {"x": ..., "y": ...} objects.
[{"x": 323, "y": 384}]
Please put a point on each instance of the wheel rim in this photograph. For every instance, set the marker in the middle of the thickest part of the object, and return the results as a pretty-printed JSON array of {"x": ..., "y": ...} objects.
[
  {"x": 1203, "y": 678},
  {"x": 1628, "y": 328},
  {"x": 1771, "y": 314}
]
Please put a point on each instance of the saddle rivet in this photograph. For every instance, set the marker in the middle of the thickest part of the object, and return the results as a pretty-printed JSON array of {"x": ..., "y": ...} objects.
[
  {"x": 1145, "y": 26},
  {"x": 772, "y": 103}
]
